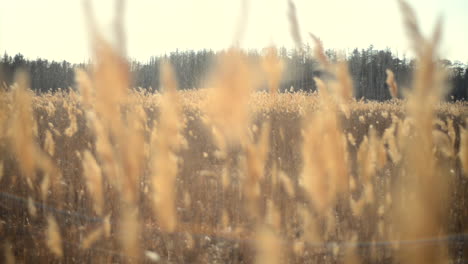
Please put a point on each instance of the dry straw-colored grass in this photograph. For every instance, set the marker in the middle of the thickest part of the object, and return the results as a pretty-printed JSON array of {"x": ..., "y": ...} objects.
[
  {"x": 53, "y": 238},
  {"x": 229, "y": 174},
  {"x": 167, "y": 141},
  {"x": 392, "y": 85}
]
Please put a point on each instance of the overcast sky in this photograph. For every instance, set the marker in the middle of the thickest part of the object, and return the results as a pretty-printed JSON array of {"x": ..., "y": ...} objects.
[{"x": 55, "y": 29}]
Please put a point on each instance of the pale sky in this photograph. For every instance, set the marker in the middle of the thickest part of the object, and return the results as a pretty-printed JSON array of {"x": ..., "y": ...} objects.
[{"x": 55, "y": 29}]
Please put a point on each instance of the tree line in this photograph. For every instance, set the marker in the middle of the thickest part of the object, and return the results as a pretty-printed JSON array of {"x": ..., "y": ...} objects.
[{"x": 366, "y": 66}]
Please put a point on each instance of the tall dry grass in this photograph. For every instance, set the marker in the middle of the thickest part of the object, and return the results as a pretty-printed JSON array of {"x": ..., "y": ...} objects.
[{"x": 230, "y": 174}]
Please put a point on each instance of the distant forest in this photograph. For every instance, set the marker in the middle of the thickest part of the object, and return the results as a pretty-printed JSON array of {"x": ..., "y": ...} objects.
[{"x": 367, "y": 67}]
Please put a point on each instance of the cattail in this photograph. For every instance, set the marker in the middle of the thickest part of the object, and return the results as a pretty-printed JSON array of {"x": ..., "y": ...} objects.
[
  {"x": 92, "y": 237},
  {"x": 153, "y": 256},
  {"x": 106, "y": 226},
  {"x": 286, "y": 183},
  {"x": 451, "y": 132},
  {"x": 241, "y": 24},
  {"x": 105, "y": 151},
  {"x": 227, "y": 103},
  {"x": 256, "y": 157},
  {"x": 371, "y": 155},
  {"x": 53, "y": 238},
  {"x": 325, "y": 97},
  {"x": 391, "y": 83},
  {"x": 320, "y": 52},
  {"x": 85, "y": 87},
  {"x": 273, "y": 217},
  {"x": 311, "y": 231},
  {"x": 225, "y": 220},
  {"x": 411, "y": 25},
  {"x": 298, "y": 248},
  {"x": 390, "y": 140},
  {"x": 362, "y": 119},
  {"x": 21, "y": 132},
  {"x": 419, "y": 212},
  {"x": 268, "y": 246},
  {"x": 44, "y": 186},
  {"x": 129, "y": 231},
  {"x": 50, "y": 108},
  {"x": 273, "y": 68},
  {"x": 351, "y": 139},
  {"x": 366, "y": 166},
  {"x": 49, "y": 144},
  {"x": 294, "y": 25},
  {"x": 345, "y": 83},
  {"x": 73, "y": 128},
  {"x": 442, "y": 144},
  {"x": 165, "y": 162},
  {"x": 325, "y": 162},
  {"x": 132, "y": 152},
  {"x": 31, "y": 207},
  {"x": 93, "y": 176}
]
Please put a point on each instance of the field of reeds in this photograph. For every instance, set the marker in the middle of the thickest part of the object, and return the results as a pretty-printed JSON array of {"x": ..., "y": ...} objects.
[{"x": 229, "y": 174}]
